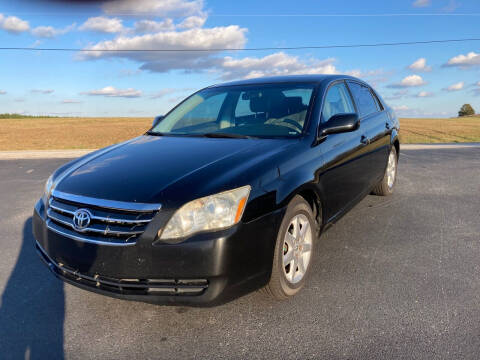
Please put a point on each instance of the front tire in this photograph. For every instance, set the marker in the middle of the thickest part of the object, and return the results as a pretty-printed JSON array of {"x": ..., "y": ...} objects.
[
  {"x": 385, "y": 187},
  {"x": 293, "y": 250}
]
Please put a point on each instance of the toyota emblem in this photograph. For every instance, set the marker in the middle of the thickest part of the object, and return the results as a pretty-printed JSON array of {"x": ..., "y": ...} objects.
[{"x": 81, "y": 219}]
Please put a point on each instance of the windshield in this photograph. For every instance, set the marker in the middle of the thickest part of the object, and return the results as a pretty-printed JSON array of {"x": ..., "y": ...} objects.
[{"x": 266, "y": 110}]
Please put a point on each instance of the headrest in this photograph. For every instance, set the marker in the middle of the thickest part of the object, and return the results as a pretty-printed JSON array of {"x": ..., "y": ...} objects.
[
  {"x": 295, "y": 104},
  {"x": 259, "y": 104}
]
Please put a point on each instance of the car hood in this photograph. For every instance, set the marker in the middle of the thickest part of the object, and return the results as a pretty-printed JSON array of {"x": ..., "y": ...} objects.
[{"x": 140, "y": 169}]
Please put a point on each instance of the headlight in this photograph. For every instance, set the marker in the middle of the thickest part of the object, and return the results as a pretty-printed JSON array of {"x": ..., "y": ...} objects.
[
  {"x": 48, "y": 189},
  {"x": 212, "y": 212}
]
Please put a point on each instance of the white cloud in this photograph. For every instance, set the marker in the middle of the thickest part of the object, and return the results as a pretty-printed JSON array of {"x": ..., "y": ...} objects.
[
  {"x": 451, "y": 6},
  {"x": 2, "y": 92},
  {"x": 409, "y": 81},
  {"x": 103, "y": 24},
  {"x": 464, "y": 61},
  {"x": 13, "y": 24},
  {"x": 193, "y": 22},
  {"x": 424, "y": 94},
  {"x": 110, "y": 91},
  {"x": 150, "y": 26},
  {"x": 456, "y": 87},
  {"x": 420, "y": 65},
  {"x": 70, "y": 101},
  {"x": 211, "y": 38},
  {"x": 50, "y": 31},
  {"x": 163, "y": 8},
  {"x": 422, "y": 3},
  {"x": 274, "y": 64},
  {"x": 401, "y": 108},
  {"x": 374, "y": 77},
  {"x": 42, "y": 91}
]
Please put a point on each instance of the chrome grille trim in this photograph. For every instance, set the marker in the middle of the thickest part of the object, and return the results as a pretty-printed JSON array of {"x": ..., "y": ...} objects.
[
  {"x": 51, "y": 226},
  {"x": 101, "y": 218},
  {"x": 112, "y": 223},
  {"x": 107, "y": 231},
  {"x": 108, "y": 204}
]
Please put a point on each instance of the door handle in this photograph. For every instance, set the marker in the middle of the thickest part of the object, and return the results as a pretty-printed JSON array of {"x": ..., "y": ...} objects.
[
  {"x": 387, "y": 126},
  {"x": 364, "y": 140}
]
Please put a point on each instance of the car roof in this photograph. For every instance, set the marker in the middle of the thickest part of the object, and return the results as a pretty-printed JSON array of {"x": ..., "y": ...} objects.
[{"x": 313, "y": 78}]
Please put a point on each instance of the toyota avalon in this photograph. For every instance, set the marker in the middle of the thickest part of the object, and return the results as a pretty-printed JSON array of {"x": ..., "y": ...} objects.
[{"x": 225, "y": 194}]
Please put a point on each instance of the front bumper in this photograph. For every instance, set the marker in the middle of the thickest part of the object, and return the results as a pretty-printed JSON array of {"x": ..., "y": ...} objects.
[{"x": 206, "y": 269}]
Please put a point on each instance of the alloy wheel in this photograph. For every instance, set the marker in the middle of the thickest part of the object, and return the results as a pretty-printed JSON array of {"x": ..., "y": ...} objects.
[
  {"x": 297, "y": 248},
  {"x": 391, "y": 169}
]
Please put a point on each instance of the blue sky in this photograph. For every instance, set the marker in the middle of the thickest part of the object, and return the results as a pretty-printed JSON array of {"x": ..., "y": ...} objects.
[{"x": 417, "y": 80}]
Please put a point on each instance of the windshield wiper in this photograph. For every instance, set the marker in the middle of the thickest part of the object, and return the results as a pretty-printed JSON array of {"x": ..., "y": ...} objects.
[
  {"x": 155, "y": 133},
  {"x": 225, "y": 135},
  {"x": 208, "y": 135}
]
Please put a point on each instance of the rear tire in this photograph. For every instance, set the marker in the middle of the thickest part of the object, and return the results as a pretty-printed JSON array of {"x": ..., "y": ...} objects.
[
  {"x": 293, "y": 250},
  {"x": 385, "y": 187}
]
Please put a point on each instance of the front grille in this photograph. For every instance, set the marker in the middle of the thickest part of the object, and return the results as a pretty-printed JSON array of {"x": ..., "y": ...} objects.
[
  {"x": 111, "y": 223},
  {"x": 170, "y": 287}
]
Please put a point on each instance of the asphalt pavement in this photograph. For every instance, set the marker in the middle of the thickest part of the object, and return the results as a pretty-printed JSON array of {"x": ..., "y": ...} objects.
[{"x": 396, "y": 278}]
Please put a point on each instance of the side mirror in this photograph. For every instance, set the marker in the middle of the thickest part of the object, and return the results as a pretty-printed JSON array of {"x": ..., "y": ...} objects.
[
  {"x": 157, "y": 120},
  {"x": 340, "y": 123}
]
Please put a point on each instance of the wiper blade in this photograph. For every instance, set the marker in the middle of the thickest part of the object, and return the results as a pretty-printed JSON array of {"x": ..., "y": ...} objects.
[
  {"x": 226, "y": 135},
  {"x": 155, "y": 133}
]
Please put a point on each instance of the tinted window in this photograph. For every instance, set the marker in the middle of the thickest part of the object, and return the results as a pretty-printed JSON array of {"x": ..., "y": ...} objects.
[
  {"x": 366, "y": 104},
  {"x": 337, "y": 101}
]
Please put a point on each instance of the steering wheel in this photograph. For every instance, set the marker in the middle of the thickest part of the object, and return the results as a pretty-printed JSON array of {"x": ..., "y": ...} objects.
[{"x": 294, "y": 123}]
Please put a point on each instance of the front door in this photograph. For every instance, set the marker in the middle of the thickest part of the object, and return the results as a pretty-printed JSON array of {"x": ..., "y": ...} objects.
[{"x": 342, "y": 180}]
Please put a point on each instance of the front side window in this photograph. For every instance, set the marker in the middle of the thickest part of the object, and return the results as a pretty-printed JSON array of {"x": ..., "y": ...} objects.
[
  {"x": 337, "y": 101},
  {"x": 366, "y": 104},
  {"x": 265, "y": 110}
]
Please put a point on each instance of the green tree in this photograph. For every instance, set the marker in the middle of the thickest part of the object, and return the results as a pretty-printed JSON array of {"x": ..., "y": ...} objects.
[{"x": 466, "y": 110}]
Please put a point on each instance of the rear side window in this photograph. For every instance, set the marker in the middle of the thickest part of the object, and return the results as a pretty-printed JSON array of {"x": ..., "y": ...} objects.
[
  {"x": 337, "y": 101},
  {"x": 366, "y": 104}
]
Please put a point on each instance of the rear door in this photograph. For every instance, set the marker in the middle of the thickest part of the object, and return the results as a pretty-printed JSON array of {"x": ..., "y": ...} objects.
[{"x": 373, "y": 125}]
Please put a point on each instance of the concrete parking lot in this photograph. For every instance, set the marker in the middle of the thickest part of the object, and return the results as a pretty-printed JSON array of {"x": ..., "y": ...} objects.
[{"x": 397, "y": 277}]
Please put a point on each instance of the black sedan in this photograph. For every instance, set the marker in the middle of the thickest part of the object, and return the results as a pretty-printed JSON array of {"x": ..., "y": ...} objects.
[{"x": 226, "y": 194}]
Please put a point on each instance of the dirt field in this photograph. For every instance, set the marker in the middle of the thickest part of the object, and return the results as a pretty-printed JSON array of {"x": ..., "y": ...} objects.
[
  {"x": 440, "y": 130},
  {"x": 92, "y": 133}
]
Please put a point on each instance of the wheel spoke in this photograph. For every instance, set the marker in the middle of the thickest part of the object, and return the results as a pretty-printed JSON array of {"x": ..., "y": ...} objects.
[
  {"x": 304, "y": 231},
  {"x": 306, "y": 247},
  {"x": 293, "y": 268},
  {"x": 288, "y": 257},
  {"x": 297, "y": 228},
  {"x": 301, "y": 265},
  {"x": 290, "y": 240}
]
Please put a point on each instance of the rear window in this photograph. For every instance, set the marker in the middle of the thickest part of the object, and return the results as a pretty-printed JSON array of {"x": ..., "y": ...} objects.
[{"x": 366, "y": 104}]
